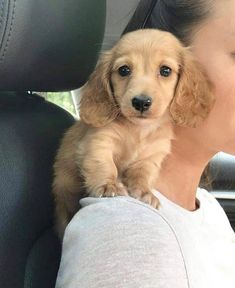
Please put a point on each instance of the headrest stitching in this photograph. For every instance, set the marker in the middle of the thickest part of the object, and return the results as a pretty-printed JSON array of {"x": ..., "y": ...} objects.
[{"x": 9, "y": 35}]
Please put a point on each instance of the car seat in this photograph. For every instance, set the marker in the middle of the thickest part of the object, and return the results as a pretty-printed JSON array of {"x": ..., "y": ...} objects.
[{"x": 45, "y": 46}]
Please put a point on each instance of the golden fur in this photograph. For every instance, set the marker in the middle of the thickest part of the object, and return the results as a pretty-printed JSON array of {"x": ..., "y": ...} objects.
[{"x": 115, "y": 149}]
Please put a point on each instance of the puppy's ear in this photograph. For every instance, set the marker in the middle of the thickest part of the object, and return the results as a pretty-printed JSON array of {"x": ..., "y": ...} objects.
[
  {"x": 193, "y": 99},
  {"x": 97, "y": 105}
]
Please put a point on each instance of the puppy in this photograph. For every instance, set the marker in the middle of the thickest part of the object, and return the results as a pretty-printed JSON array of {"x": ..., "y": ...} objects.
[{"x": 144, "y": 85}]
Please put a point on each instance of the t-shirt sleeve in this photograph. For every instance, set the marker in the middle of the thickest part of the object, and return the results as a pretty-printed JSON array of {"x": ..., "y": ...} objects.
[{"x": 120, "y": 242}]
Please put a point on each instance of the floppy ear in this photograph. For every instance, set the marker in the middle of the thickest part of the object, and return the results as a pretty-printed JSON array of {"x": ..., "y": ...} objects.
[
  {"x": 97, "y": 106},
  {"x": 193, "y": 99}
]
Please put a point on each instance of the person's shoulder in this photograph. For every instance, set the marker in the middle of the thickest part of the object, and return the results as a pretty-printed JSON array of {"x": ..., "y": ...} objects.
[
  {"x": 121, "y": 209},
  {"x": 121, "y": 234},
  {"x": 205, "y": 194},
  {"x": 208, "y": 198},
  {"x": 124, "y": 215},
  {"x": 125, "y": 226},
  {"x": 214, "y": 209}
]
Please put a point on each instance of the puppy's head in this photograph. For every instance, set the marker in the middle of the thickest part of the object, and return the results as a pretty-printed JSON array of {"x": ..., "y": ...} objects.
[{"x": 146, "y": 75}]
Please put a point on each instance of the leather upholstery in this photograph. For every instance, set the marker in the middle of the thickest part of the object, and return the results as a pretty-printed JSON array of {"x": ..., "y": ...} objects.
[
  {"x": 45, "y": 46},
  {"x": 222, "y": 170},
  {"x": 49, "y": 45},
  {"x": 30, "y": 132}
]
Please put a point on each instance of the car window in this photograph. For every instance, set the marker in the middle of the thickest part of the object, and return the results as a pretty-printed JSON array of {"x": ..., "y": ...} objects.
[{"x": 66, "y": 100}]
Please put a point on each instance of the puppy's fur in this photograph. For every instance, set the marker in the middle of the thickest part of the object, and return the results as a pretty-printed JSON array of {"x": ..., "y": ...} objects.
[{"x": 116, "y": 149}]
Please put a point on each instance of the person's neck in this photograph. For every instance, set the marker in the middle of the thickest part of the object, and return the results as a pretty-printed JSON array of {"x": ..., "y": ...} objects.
[{"x": 181, "y": 172}]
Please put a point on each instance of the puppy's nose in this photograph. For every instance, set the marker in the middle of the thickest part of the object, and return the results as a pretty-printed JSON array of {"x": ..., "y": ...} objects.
[{"x": 142, "y": 102}]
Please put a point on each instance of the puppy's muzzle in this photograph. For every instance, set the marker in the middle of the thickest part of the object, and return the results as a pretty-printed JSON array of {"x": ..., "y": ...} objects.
[{"x": 142, "y": 103}]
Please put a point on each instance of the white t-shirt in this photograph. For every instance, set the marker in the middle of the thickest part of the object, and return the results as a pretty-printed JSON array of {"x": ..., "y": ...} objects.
[{"x": 121, "y": 242}]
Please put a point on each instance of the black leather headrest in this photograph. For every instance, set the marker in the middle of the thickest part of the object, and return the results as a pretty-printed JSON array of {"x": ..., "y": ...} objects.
[
  {"x": 49, "y": 45},
  {"x": 222, "y": 171}
]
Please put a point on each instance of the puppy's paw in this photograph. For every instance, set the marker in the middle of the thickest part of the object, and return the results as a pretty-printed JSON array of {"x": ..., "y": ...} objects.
[
  {"x": 111, "y": 190},
  {"x": 145, "y": 196},
  {"x": 150, "y": 199}
]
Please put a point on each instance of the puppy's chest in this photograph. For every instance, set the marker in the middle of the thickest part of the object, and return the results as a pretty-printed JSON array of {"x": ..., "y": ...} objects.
[
  {"x": 136, "y": 147},
  {"x": 132, "y": 150}
]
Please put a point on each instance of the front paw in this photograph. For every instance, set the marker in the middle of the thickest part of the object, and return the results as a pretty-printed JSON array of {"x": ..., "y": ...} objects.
[
  {"x": 110, "y": 190},
  {"x": 145, "y": 195}
]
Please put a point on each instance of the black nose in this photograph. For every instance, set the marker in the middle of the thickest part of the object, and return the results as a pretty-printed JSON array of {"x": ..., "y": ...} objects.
[{"x": 142, "y": 103}]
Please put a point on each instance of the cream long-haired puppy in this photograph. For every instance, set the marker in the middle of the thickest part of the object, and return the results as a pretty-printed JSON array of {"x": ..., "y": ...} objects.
[{"x": 144, "y": 85}]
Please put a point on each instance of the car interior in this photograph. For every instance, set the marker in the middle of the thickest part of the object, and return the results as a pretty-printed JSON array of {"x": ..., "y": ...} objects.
[{"x": 52, "y": 46}]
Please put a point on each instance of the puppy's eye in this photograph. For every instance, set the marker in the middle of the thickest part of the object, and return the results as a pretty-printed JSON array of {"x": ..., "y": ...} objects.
[
  {"x": 124, "y": 71},
  {"x": 165, "y": 71}
]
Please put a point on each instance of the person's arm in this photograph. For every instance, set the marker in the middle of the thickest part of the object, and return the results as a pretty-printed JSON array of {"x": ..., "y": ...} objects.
[{"x": 120, "y": 242}]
